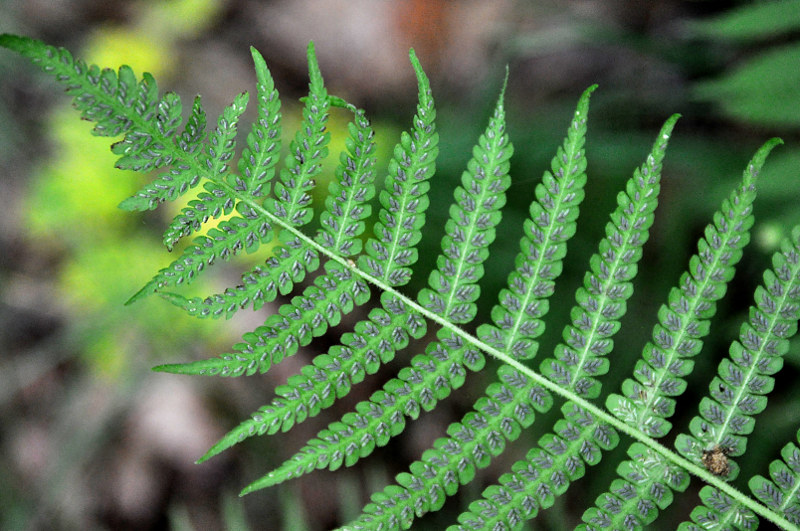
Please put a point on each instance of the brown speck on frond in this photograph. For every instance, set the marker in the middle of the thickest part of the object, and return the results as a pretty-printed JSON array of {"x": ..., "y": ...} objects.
[{"x": 716, "y": 461}]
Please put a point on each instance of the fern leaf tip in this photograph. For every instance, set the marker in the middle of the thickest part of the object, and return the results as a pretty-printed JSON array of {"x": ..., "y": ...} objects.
[
  {"x": 138, "y": 295},
  {"x": 134, "y": 204},
  {"x": 203, "y": 458},
  {"x": 422, "y": 78},
  {"x": 266, "y": 481},
  {"x": 171, "y": 368},
  {"x": 758, "y": 160},
  {"x": 314, "y": 73},
  {"x": 19, "y": 43}
]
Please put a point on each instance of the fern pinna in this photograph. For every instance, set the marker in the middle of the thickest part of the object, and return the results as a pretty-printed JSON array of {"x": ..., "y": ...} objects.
[{"x": 262, "y": 201}]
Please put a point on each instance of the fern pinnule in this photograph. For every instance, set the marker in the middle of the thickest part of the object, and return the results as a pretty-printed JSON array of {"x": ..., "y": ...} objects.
[
  {"x": 278, "y": 274},
  {"x": 719, "y": 511},
  {"x": 296, "y": 179},
  {"x": 404, "y": 200},
  {"x": 469, "y": 231},
  {"x": 683, "y": 323},
  {"x": 363, "y": 351},
  {"x": 744, "y": 379},
  {"x": 552, "y": 220},
  {"x": 601, "y": 303},
  {"x": 263, "y": 145},
  {"x": 782, "y": 493},
  {"x": 346, "y": 204}
]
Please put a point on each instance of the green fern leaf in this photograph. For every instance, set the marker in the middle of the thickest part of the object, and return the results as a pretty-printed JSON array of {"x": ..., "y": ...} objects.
[
  {"x": 682, "y": 325},
  {"x": 306, "y": 151},
  {"x": 782, "y": 493},
  {"x": 154, "y": 138},
  {"x": 469, "y": 230},
  {"x": 286, "y": 267},
  {"x": 404, "y": 201},
  {"x": 346, "y": 205},
  {"x": 260, "y": 156}
]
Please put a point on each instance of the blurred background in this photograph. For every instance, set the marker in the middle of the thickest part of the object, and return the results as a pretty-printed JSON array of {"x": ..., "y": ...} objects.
[{"x": 90, "y": 438}]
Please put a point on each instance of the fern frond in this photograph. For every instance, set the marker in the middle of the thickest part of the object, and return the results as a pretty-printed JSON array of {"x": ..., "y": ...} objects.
[
  {"x": 782, "y": 493},
  {"x": 682, "y": 325},
  {"x": 331, "y": 295},
  {"x": 306, "y": 151},
  {"x": 601, "y": 302},
  {"x": 404, "y": 200},
  {"x": 286, "y": 267},
  {"x": 155, "y": 138},
  {"x": 346, "y": 205},
  {"x": 744, "y": 379},
  {"x": 468, "y": 232}
]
